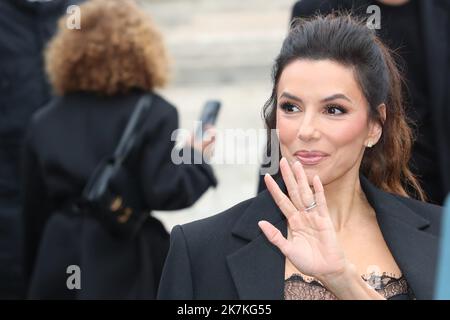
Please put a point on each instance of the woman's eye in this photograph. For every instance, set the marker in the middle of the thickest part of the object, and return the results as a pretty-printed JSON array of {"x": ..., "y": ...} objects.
[
  {"x": 335, "y": 109},
  {"x": 289, "y": 107}
]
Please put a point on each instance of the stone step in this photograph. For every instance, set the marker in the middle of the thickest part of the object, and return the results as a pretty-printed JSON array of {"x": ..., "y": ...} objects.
[{"x": 221, "y": 41}]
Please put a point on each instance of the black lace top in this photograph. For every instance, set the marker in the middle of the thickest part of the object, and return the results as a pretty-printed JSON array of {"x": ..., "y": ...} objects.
[{"x": 297, "y": 287}]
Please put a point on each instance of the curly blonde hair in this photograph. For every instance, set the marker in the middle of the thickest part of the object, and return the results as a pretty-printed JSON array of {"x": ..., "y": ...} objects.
[{"x": 117, "y": 49}]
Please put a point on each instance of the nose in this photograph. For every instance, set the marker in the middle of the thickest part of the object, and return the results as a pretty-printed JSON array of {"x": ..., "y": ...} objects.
[{"x": 308, "y": 128}]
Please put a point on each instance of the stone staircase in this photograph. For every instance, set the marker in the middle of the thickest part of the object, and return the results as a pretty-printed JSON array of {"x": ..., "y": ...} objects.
[{"x": 221, "y": 41}]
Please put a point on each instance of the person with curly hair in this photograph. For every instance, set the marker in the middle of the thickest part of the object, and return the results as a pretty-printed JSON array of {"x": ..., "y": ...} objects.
[{"x": 99, "y": 73}]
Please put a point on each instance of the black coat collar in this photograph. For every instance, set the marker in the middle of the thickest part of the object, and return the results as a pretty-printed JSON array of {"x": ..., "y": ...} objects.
[{"x": 258, "y": 267}]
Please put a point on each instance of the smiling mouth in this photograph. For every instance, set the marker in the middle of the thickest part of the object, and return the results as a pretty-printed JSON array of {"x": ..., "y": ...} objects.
[{"x": 310, "y": 160}]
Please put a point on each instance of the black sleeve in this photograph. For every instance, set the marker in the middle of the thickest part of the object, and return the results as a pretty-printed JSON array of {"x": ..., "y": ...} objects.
[
  {"x": 176, "y": 280},
  {"x": 35, "y": 212},
  {"x": 167, "y": 185}
]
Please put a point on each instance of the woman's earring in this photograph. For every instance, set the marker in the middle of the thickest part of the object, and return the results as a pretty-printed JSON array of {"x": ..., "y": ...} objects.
[{"x": 369, "y": 145}]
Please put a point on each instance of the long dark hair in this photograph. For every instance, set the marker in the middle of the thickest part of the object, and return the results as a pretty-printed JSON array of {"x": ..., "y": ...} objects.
[{"x": 348, "y": 41}]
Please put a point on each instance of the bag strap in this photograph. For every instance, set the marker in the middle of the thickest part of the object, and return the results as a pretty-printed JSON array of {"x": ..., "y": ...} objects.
[
  {"x": 96, "y": 182},
  {"x": 130, "y": 134}
]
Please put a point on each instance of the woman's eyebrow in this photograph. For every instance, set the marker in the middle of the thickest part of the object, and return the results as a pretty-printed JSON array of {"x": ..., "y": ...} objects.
[
  {"x": 290, "y": 96},
  {"x": 327, "y": 99},
  {"x": 336, "y": 96}
]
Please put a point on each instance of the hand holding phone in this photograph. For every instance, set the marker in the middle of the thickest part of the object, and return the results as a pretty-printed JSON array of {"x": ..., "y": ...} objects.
[{"x": 208, "y": 118}]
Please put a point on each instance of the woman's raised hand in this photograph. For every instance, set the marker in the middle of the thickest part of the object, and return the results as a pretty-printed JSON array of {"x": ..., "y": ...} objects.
[{"x": 313, "y": 247}]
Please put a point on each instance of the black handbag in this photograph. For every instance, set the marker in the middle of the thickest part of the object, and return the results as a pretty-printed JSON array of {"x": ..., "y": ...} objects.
[{"x": 112, "y": 194}]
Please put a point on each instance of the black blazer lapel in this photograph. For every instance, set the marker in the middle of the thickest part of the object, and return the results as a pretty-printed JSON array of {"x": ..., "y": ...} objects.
[
  {"x": 257, "y": 268},
  {"x": 413, "y": 249}
]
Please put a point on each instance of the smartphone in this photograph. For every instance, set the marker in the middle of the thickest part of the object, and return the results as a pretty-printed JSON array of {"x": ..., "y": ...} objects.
[{"x": 208, "y": 117}]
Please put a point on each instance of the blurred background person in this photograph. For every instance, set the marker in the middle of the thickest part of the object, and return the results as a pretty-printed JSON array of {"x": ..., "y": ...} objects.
[
  {"x": 100, "y": 72},
  {"x": 25, "y": 27},
  {"x": 418, "y": 31}
]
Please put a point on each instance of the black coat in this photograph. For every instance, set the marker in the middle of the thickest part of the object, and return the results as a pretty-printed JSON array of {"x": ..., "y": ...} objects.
[
  {"x": 227, "y": 256},
  {"x": 434, "y": 23},
  {"x": 65, "y": 142},
  {"x": 25, "y": 28}
]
